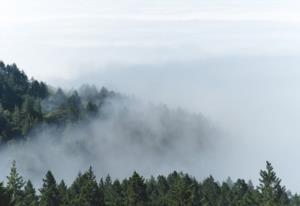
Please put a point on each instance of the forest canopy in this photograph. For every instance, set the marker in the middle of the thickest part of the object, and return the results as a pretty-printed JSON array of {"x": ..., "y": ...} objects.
[
  {"x": 175, "y": 189},
  {"x": 26, "y": 103}
]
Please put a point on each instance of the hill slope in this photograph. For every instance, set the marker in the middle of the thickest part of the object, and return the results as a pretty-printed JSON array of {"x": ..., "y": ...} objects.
[{"x": 26, "y": 103}]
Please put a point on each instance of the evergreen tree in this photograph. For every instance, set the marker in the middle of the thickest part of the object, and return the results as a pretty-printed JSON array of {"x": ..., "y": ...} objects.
[
  {"x": 62, "y": 193},
  {"x": 272, "y": 193},
  {"x": 108, "y": 192},
  {"x": 182, "y": 190},
  {"x": 49, "y": 191},
  {"x": 162, "y": 189},
  {"x": 136, "y": 190},
  {"x": 211, "y": 192},
  {"x": 226, "y": 194},
  {"x": 85, "y": 191},
  {"x": 118, "y": 194},
  {"x": 91, "y": 108},
  {"x": 15, "y": 185},
  {"x": 30, "y": 197}
]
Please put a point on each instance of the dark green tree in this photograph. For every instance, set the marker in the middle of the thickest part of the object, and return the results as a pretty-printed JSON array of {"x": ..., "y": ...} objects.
[
  {"x": 85, "y": 191},
  {"x": 211, "y": 192},
  {"x": 272, "y": 193},
  {"x": 62, "y": 193},
  {"x": 49, "y": 191},
  {"x": 136, "y": 191},
  {"x": 30, "y": 197},
  {"x": 182, "y": 190}
]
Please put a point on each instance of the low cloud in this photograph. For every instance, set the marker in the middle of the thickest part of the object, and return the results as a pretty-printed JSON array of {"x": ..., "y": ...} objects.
[{"x": 128, "y": 135}]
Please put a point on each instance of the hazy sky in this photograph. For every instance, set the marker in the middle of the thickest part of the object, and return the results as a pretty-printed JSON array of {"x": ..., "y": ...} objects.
[
  {"x": 55, "y": 39},
  {"x": 234, "y": 61}
]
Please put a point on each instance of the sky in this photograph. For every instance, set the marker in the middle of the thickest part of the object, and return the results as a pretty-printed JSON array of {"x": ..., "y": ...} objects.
[{"x": 235, "y": 62}]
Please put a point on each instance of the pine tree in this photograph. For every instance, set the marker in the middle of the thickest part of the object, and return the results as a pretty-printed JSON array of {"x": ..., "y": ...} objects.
[
  {"x": 49, "y": 191},
  {"x": 62, "y": 191},
  {"x": 119, "y": 197},
  {"x": 85, "y": 191},
  {"x": 182, "y": 190},
  {"x": 15, "y": 184},
  {"x": 30, "y": 197},
  {"x": 108, "y": 192},
  {"x": 136, "y": 190},
  {"x": 272, "y": 193},
  {"x": 211, "y": 192}
]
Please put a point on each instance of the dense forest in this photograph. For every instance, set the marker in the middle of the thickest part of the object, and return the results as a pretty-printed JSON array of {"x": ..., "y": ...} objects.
[
  {"x": 26, "y": 103},
  {"x": 176, "y": 189}
]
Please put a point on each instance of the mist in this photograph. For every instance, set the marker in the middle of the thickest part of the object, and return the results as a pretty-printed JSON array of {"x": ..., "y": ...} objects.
[
  {"x": 234, "y": 62},
  {"x": 128, "y": 135}
]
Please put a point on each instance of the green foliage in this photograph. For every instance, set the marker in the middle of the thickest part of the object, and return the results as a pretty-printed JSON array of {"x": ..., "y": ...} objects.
[
  {"x": 182, "y": 190},
  {"x": 62, "y": 192},
  {"x": 15, "y": 184},
  {"x": 177, "y": 189},
  {"x": 272, "y": 193},
  {"x": 49, "y": 191},
  {"x": 136, "y": 190},
  {"x": 211, "y": 192},
  {"x": 30, "y": 197},
  {"x": 25, "y": 103},
  {"x": 85, "y": 191}
]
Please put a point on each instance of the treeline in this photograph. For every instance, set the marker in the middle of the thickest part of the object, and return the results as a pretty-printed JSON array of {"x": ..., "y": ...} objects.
[
  {"x": 26, "y": 103},
  {"x": 176, "y": 189}
]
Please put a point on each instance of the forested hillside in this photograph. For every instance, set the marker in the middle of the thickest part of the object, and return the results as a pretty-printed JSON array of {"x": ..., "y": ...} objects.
[
  {"x": 176, "y": 189},
  {"x": 154, "y": 133},
  {"x": 26, "y": 103}
]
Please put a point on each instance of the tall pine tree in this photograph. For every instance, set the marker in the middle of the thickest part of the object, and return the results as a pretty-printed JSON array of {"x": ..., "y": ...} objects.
[
  {"x": 49, "y": 191},
  {"x": 272, "y": 193},
  {"x": 15, "y": 184},
  {"x": 30, "y": 197}
]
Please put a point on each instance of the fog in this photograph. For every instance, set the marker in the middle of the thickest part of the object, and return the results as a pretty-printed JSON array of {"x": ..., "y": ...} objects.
[
  {"x": 235, "y": 62},
  {"x": 128, "y": 135}
]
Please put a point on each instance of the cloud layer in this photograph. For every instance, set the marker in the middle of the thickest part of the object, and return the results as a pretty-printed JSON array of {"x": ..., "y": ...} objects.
[
  {"x": 127, "y": 136},
  {"x": 234, "y": 61}
]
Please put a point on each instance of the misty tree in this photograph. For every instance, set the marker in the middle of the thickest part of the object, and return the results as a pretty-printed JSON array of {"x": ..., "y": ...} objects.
[
  {"x": 211, "y": 192},
  {"x": 119, "y": 195},
  {"x": 182, "y": 190},
  {"x": 15, "y": 184},
  {"x": 30, "y": 198},
  {"x": 62, "y": 193},
  {"x": 136, "y": 190},
  {"x": 226, "y": 194},
  {"x": 27, "y": 103},
  {"x": 109, "y": 199},
  {"x": 153, "y": 193},
  {"x": 49, "y": 191},
  {"x": 272, "y": 193},
  {"x": 241, "y": 193},
  {"x": 175, "y": 189},
  {"x": 85, "y": 191},
  {"x": 91, "y": 108}
]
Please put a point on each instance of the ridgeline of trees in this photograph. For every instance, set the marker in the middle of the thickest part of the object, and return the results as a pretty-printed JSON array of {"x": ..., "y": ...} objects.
[
  {"x": 26, "y": 103},
  {"x": 176, "y": 189}
]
